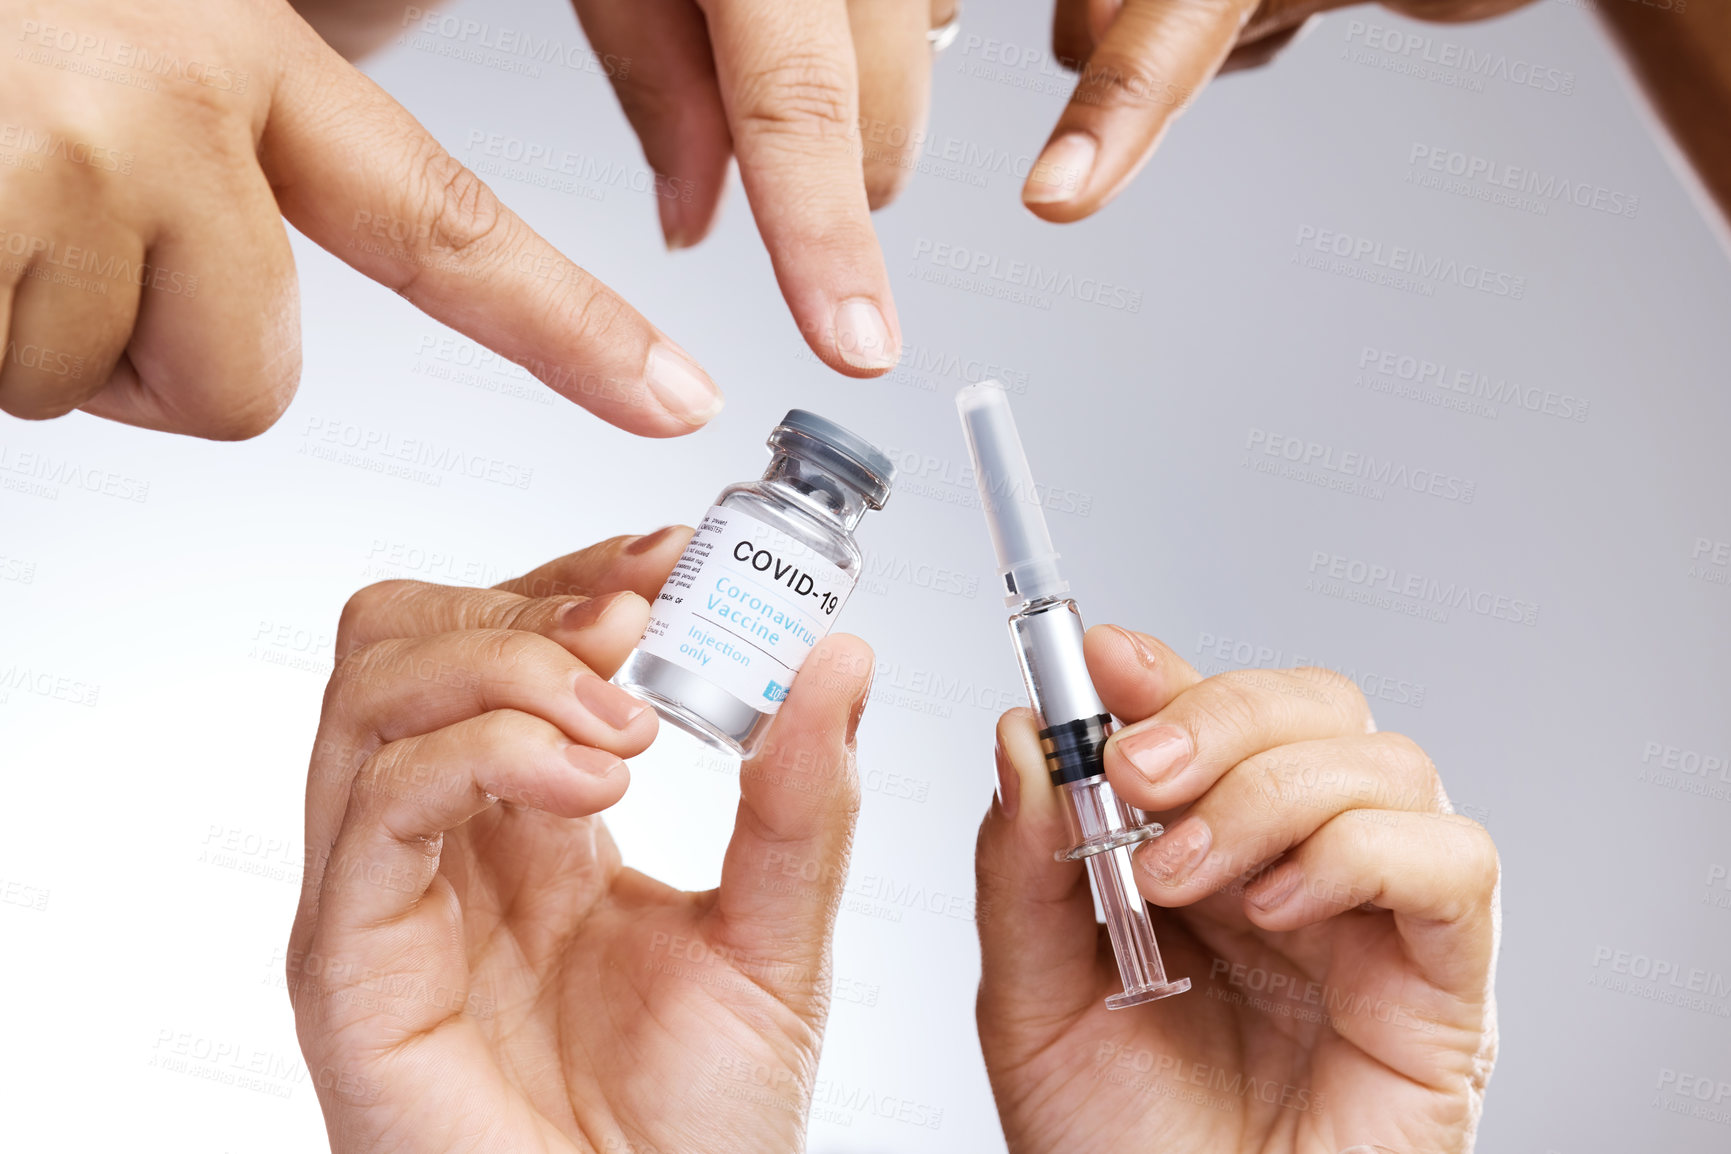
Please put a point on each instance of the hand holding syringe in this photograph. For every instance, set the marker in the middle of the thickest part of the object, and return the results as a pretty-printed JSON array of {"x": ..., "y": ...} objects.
[
  {"x": 1313, "y": 878},
  {"x": 1074, "y": 724}
]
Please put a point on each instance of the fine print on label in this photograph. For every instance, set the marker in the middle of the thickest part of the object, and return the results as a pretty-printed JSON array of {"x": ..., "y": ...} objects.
[{"x": 744, "y": 607}]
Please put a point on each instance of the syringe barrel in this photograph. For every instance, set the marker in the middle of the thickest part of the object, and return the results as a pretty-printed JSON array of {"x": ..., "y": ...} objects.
[
  {"x": 1073, "y": 722},
  {"x": 1074, "y": 726}
]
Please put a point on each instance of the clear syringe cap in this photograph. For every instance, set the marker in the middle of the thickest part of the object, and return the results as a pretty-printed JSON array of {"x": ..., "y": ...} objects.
[{"x": 1017, "y": 521}]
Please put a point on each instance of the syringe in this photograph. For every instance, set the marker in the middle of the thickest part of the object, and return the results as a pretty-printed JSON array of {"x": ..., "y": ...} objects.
[{"x": 1074, "y": 724}]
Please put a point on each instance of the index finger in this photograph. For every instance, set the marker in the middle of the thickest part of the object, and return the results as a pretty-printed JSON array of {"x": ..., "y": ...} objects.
[
  {"x": 1150, "y": 64},
  {"x": 790, "y": 85},
  {"x": 1136, "y": 675},
  {"x": 638, "y": 564},
  {"x": 1174, "y": 756},
  {"x": 360, "y": 177},
  {"x": 562, "y": 599}
]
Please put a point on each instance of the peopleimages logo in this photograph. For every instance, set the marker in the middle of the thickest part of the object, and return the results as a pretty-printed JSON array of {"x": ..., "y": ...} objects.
[
  {"x": 1399, "y": 266},
  {"x": 88, "y": 54},
  {"x": 1666, "y": 974},
  {"x": 954, "y": 483},
  {"x": 42, "y": 251},
  {"x": 1022, "y": 281},
  {"x": 1326, "y": 464},
  {"x": 1489, "y": 179},
  {"x": 1710, "y": 561},
  {"x": 1217, "y": 654},
  {"x": 413, "y": 458},
  {"x": 535, "y": 156},
  {"x": 41, "y": 683},
  {"x": 1470, "y": 385},
  {"x": 57, "y": 471},
  {"x": 1415, "y": 594},
  {"x": 1452, "y": 56},
  {"x": 924, "y": 367},
  {"x": 54, "y": 146},
  {"x": 527, "y": 47}
]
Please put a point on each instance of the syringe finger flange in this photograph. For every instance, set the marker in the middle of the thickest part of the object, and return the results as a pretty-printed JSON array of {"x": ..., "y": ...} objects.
[{"x": 1106, "y": 842}]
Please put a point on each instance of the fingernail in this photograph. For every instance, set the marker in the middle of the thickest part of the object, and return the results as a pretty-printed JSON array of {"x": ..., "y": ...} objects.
[
  {"x": 1175, "y": 854},
  {"x": 649, "y": 541},
  {"x": 1009, "y": 785},
  {"x": 1276, "y": 888},
  {"x": 592, "y": 761},
  {"x": 1144, "y": 652},
  {"x": 583, "y": 614},
  {"x": 673, "y": 229},
  {"x": 1062, "y": 169},
  {"x": 1157, "y": 753},
  {"x": 854, "y": 717},
  {"x": 1101, "y": 17},
  {"x": 608, "y": 702},
  {"x": 862, "y": 338},
  {"x": 682, "y": 388}
]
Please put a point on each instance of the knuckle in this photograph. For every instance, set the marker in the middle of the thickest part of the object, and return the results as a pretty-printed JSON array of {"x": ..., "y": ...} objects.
[
  {"x": 1364, "y": 834},
  {"x": 1484, "y": 863},
  {"x": 1273, "y": 786},
  {"x": 1399, "y": 750},
  {"x": 1414, "y": 776},
  {"x": 39, "y": 382},
  {"x": 360, "y": 611},
  {"x": 599, "y": 315},
  {"x": 1234, "y": 705},
  {"x": 528, "y": 615},
  {"x": 502, "y": 729},
  {"x": 1125, "y": 80},
  {"x": 462, "y": 213},
  {"x": 803, "y": 93},
  {"x": 33, "y": 405},
  {"x": 1475, "y": 869},
  {"x": 506, "y": 651},
  {"x": 1338, "y": 691},
  {"x": 274, "y": 385},
  {"x": 353, "y": 672},
  {"x": 255, "y": 415},
  {"x": 371, "y": 780}
]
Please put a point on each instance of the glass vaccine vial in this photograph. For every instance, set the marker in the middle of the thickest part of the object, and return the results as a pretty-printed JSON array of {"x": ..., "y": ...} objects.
[{"x": 760, "y": 584}]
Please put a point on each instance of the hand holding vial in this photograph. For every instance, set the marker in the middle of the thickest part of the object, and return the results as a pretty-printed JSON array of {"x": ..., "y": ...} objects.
[
  {"x": 473, "y": 967},
  {"x": 1339, "y": 921}
]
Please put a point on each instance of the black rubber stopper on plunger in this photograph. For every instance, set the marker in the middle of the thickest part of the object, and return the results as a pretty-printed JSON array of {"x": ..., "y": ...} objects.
[{"x": 1075, "y": 750}]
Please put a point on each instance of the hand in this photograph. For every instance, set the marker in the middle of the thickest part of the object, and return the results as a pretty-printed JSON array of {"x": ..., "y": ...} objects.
[
  {"x": 1142, "y": 62},
  {"x": 809, "y": 94},
  {"x": 472, "y": 966},
  {"x": 148, "y": 153},
  {"x": 1341, "y": 999}
]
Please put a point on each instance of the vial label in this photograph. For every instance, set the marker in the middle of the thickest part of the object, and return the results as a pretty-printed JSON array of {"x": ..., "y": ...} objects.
[{"x": 744, "y": 607}]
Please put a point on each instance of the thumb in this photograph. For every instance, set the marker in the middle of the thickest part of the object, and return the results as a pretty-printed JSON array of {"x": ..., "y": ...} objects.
[
  {"x": 1038, "y": 939},
  {"x": 361, "y": 178},
  {"x": 786, "y": 865}
]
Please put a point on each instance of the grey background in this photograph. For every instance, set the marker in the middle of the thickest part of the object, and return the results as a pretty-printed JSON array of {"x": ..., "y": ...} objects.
[{"x": 158, "y": 827}]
